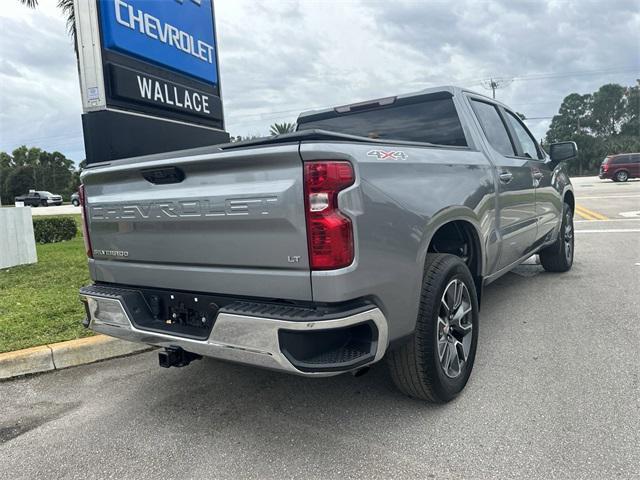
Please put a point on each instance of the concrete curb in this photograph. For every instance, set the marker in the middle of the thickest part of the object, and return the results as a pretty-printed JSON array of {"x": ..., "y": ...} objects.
[{"x": 61, "y": 355}]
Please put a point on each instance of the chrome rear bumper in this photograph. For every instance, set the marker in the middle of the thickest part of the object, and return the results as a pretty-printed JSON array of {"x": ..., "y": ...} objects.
[{"x": 246, "y": 339}]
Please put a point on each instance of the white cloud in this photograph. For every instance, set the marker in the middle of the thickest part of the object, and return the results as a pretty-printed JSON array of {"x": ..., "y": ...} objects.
[
  {"x": 39, "y": 92},
  {"x": 280, "y": 57}
]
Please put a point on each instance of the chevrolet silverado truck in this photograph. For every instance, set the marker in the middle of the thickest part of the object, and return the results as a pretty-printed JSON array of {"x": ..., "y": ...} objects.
[
  {"x": 39, "y": 199},
  {"x": 368, "y": 233}
]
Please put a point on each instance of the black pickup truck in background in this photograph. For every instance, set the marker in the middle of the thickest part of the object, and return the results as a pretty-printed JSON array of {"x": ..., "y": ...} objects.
[{"x": 39, "y": 199}]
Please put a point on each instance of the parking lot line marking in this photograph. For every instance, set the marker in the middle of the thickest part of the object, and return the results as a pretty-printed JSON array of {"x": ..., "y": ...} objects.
[
  {"x": 584, "y": 215},
  {"x": 611, "y": 230},
  {"x": 610, "y": 220},
  {"x": 607, "y": 196},
  {"x": 590, "y": 213}
]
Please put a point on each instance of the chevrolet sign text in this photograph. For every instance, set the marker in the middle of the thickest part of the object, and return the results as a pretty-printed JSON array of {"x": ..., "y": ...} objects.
[{"x": 152, "y": 27}]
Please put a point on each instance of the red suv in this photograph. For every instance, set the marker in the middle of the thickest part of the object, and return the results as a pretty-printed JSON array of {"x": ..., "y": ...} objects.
[{"x": 621, "y": 167}]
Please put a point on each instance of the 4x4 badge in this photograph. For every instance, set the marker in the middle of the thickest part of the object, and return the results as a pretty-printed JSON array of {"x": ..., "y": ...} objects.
[{"x": 391, "y": 154}]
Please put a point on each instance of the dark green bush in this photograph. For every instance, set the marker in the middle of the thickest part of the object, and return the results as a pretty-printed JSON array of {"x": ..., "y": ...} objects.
[{"x": 54, "y": 229}]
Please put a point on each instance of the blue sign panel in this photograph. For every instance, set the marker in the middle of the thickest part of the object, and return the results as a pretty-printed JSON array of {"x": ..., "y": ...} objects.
[{"x": 177, "y": 34}]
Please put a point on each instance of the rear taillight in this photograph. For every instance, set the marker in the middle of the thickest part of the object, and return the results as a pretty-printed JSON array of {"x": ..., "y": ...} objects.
[
  {"x": 605, "y": 167},
  {"x": 85, "y": 225},
  {"x": 329, "y": 232}
]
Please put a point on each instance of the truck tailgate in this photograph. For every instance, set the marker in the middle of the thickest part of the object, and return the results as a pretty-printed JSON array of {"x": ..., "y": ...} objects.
[{"x": 223, "y": 222}]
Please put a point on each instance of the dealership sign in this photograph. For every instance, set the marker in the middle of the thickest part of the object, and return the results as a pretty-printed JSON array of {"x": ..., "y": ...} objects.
[
  {"x": 156, "y": 59},
  {"x": 178, "y": 35}
]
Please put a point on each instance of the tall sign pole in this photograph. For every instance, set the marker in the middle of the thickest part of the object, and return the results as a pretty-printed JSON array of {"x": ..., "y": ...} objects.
[{"x": 149, "y": 77}]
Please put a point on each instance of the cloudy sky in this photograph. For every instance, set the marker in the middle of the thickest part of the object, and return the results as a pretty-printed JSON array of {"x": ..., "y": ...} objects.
[{"x": 280, "y": 57}]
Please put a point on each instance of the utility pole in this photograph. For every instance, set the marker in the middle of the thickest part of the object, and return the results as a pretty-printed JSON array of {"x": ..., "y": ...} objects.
[
  {"x": 579, "y": 159},
  {"x": 494, "y": 84}
]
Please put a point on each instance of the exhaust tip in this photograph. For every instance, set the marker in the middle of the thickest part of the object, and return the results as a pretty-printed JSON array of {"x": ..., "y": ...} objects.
[{"x": 361, "y": 371}]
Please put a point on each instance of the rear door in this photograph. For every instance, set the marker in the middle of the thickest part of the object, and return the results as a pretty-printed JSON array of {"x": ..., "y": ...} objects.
[
  {"x": 223, "y": 222},
  {"x": 516, "y": 194}
]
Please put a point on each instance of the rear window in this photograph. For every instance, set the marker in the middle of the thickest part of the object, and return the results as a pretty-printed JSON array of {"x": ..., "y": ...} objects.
[
  {"x": 433, "y": 121},
  {"x": 494, "y": 128}
]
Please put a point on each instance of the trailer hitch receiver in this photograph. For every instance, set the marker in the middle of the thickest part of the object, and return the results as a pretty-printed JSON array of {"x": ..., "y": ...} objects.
[{"x": 176, "y": 357}]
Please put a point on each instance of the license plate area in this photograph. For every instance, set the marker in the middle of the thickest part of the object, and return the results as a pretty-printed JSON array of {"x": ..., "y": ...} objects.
[{"x": 176, "y": 313}]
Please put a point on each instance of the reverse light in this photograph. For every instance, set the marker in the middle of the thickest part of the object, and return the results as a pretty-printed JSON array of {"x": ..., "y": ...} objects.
[
  {"x": 85, "y": 226},
  {"x": 329, "y": 231},
  {"x": 107, "y": 310}
]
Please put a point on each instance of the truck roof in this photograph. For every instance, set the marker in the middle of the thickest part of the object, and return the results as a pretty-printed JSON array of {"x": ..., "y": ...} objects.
[{"x": 450, "y": 89}]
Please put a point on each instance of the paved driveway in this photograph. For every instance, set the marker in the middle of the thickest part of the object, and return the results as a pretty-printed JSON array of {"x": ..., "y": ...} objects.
[{"x": 555, "y": 393}]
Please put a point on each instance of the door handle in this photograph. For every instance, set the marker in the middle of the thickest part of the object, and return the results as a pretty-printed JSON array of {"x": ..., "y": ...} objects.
[
  {"x": 538, "y": 175},
  {"x": 505, "y": 176}
]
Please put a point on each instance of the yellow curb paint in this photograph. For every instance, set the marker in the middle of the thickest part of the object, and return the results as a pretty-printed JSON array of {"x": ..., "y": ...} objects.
[
  {"x": 65, "y": 354},
  {"x": 28, "y": 360},
  {"x": 92, "y": 349},
  {"x": 94, "y": 339}
]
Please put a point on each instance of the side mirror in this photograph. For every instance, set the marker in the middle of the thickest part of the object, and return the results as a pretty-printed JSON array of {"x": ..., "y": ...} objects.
[{"x": 562, "y": 151}]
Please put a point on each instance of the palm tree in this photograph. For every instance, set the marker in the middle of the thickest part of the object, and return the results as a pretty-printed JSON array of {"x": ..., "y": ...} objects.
[
  {"x": 280, "y": 128},
  {"x": 67, "y": 8}
]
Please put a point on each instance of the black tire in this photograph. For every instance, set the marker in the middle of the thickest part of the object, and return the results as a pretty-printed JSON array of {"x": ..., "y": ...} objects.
[
  {"x": 558, "y": 257},
  {"x": 43, "y": 203},
  {"x": 621, "y": 176},
  {"x": 416, "y": 366},
  {"x": 75, "y": 203}
]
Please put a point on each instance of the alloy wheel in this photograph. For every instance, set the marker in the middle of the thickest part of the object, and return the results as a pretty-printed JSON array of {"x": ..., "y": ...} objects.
[
  {"x": 455, "y": 328},
  {"x": 568, "y": 236}
]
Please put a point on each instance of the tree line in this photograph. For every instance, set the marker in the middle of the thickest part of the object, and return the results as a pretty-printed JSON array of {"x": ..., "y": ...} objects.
[
  {"x": 32, "y": 168},
  {"x": 601, "y": 123}
]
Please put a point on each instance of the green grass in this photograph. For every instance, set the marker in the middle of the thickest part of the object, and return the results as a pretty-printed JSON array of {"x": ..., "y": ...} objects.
[{"x": 39, "y": 303}]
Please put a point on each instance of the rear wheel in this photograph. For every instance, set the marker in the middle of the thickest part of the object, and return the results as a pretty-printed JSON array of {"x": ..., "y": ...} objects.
[
  {"x": 558, "y": 257},
  {"x": 436, "y": 363},
  {"x": 75, "y": 203},
  {"x": 622, "y": 176}
]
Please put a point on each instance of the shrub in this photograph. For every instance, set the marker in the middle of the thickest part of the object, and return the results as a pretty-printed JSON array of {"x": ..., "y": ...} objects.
[{"x": 54, "y": 229}]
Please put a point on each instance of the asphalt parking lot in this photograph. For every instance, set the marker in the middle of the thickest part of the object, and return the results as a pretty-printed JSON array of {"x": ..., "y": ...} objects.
[{"x": 555, "y": 393}]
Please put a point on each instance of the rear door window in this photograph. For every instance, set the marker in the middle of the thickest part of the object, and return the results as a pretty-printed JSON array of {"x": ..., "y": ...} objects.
[{"x": 493, "y": 127}]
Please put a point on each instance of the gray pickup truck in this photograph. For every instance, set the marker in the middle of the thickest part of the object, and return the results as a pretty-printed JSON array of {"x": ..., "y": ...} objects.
[{"x": 368, "y": 233}]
